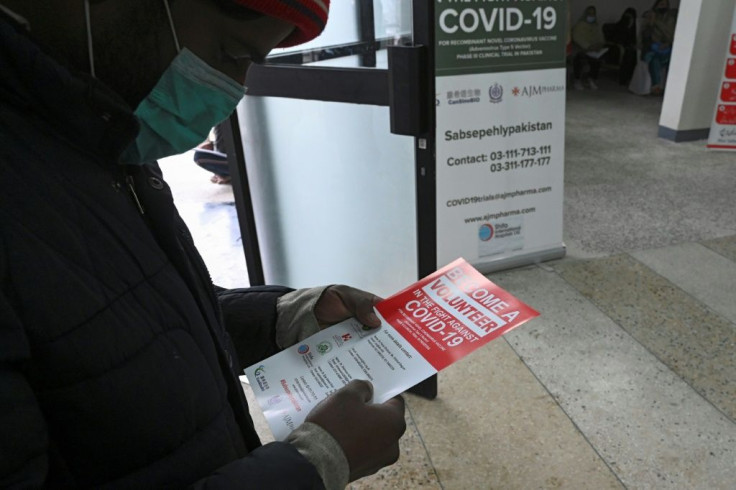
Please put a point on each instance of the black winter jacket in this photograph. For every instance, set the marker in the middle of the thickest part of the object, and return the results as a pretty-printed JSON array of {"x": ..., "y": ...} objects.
[{"x": 115, "y": 368}]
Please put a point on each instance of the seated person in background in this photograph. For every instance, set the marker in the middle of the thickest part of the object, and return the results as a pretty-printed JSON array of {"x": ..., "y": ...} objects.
[
  {"x": 211, "y": 155},
  {"x": 657, "y": 35},
  {"x": 588, "y": 41},
  {"x": 623, "y": 35}
]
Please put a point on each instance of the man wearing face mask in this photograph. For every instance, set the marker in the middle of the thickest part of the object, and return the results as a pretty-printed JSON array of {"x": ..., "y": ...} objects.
[{"x": 118, "y": 358}]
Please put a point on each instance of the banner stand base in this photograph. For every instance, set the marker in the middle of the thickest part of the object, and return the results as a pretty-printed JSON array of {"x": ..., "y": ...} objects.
[{"x": 521, "y": 260}]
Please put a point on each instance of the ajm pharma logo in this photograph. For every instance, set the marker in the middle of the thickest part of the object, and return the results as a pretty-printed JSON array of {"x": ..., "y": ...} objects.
[{"x": 536, "y": 90}]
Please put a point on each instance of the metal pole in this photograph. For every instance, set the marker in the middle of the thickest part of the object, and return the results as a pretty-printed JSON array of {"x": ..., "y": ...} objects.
[
  {"x": 426, "y": 188},
  {"x": 243, "y": 200}
]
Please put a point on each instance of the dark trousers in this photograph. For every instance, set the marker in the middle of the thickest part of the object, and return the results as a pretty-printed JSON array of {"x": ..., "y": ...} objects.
[
  {"x": 628, "y": 64},
  {"x": 579, "y": 62}
]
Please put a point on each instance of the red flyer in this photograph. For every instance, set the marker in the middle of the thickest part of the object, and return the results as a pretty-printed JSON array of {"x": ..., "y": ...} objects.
[
  {"x": 424, "y": 328},
  {"x": 733, "y": 45},
  {"x": 452, "y": 312}
]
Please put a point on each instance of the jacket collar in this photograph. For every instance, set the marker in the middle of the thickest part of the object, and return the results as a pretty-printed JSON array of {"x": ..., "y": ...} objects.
[{"x": 77, "y": 106}]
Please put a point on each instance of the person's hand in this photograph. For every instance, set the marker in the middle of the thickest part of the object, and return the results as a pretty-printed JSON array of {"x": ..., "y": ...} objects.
[
  {"x": 339, "y": 303},
  {"x": 368, "y": 434}
]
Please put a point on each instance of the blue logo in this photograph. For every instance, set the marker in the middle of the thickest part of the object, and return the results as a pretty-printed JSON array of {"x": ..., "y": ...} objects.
[
  {"x": 303, "y": 349},
  {"x": 485, "y": 232}
]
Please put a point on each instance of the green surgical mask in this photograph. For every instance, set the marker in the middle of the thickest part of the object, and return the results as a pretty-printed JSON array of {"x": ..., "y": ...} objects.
[{"x": 189, "y": 99}]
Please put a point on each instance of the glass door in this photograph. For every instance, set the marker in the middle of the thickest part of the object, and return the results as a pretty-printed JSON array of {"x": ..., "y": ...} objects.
[{"x": 333, "y": 154}]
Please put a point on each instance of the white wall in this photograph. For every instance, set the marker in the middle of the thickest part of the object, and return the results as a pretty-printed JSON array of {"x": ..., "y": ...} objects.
[
  {"x": 611, "y": 10},
  {"x": 698, "y": 57}
]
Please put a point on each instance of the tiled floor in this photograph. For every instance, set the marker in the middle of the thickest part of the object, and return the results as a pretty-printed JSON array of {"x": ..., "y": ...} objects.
[{"x": 628, "y": 378}]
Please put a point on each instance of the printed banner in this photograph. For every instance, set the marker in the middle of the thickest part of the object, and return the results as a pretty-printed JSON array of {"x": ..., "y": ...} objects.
[
  {"x": 723, "y": 129},
  {"x": 424, "y": 328},
  {"x": 500, "y": 83}
]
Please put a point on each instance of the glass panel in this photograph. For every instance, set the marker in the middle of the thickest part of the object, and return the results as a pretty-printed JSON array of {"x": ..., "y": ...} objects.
[
  {"x": 342, "y": 62},
  {"x": 340, "y": 44},
  {"x": 333, "y": 192},
  {"x": 354, "y": 61},
  {"x": 342, "y": 28},
  {"x": 393, "y": 20}
]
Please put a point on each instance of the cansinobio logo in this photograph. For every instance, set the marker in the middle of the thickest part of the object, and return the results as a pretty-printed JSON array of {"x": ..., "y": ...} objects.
[{"x": 466, "y": 96}]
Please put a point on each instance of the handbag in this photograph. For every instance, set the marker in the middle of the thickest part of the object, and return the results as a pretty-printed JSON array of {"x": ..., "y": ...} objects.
[{"x": 641, "y": 80}]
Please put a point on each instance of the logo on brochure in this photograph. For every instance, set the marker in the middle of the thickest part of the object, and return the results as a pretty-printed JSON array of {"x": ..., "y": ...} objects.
[
  {"x": 340, "y": 339},
  {"x": 496, "y": 93},
  {"x": 260, "y": 378},
  {"x": 485, "y": 232},
  {"x": 274, "y": 400},
  {"x": 324, "y": 347},
  {"x": 303, "y": 349}
]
